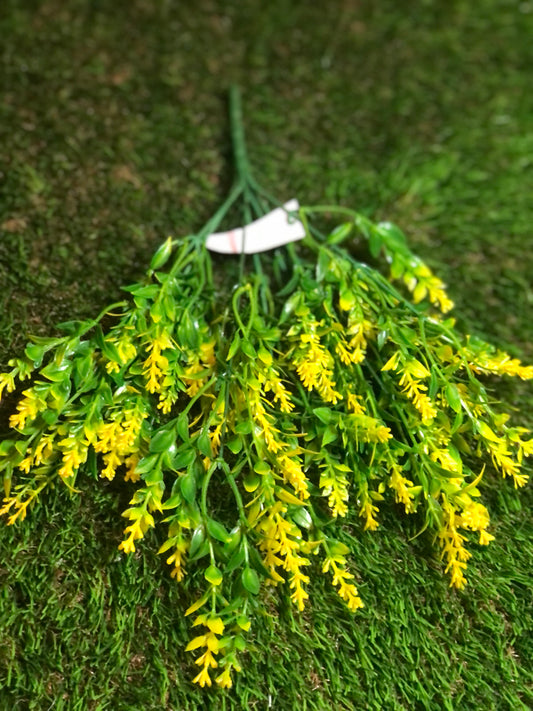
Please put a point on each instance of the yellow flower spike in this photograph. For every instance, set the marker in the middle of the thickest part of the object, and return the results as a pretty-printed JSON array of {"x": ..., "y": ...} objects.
[
  {"x": 27, "y": 409},
  {"x": 112, "y": 460},
  {"x": 393, "y": 362},
  {"x": 7, "y": 382},
  {"x": 9, "y": 502},
  {"x": 177, "y": 559},
  {"x": 207, "y": 660},
  {"x": 367, "y": 511},
  {"x": 131, "y": 474},
  {"x": 207, "y": 353},
  {"x": 203, "y": 678},
  {"x": 74, "y": 454},
  {"x": 354, "y": 404},
  {"x": 293, "y": 474},
  {"x": 402, "y": 486},
  {"x": 127, "y": 546},
  {"x": 224, "y": 680},
  {"x": 26, "y": 464},
  {"x": 112, "y": 367}
]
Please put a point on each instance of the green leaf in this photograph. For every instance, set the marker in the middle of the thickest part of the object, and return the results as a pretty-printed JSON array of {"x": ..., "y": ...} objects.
[
  {"x": 60, "y": 391},
  {"x": 188, "y": 487},
  {"x": 197, "y": 539},
  {"x": 167, "y": 545},
  {"x": 162, "y": 254},
  {"x": 453, "y": 398},
  {"x": 236, "y": 560},
  {"x": 433, "y": 385},
  {"x": 217, "y": 530},
  {"x": 324, "y": 414},
  {"x": 50, "y": 417},
  {"x": 251, "y": 481},
  {"x": 257, "y": 563},
  {"x": 374, "y": 243},
  {"x": 382, "y": 339},
  {"x": 142, "y": 290},
  {"x": 243, "y": 428},
  {"x": 265, "y": 356},
  {"x": 234, "y": 346},
  {"x": 248, "y": 349},
  {"x": 290, "y": 305},
  {"x": 302, "y": 518},
  {"x": 173, "y": 501},
  {"x": 182, "y": 426},
  {"x": 184, "y": 458},
  {"x": 203, "y": 549},
  {"x": 250, "y": 580},
  {"x": 35, "y": 353},
  {"x": 163, "y": 440},
  {"x": 156, "y": 312},
  {"x": 146, "y": 464},
  {"x": 261, "y": 468},
  {"x": 329, "y": 436},
  {"x": 235, "y": 538},
  {"x": 392, "y": 235},
  {"x": 57, "y": 373},
  {"x": 340, "y": 233},
  {"x": 213, "y": 575},
  {"x": 338, "y": 548},
  {"x": 83, "y": 366},
  {"x": 154, "y": 476},
  {"x": 188, "y": 332},
  {"x": 235, "y": 445},
  {"x": 323, "y": 265},
  {"x": 397, "y": 267},
  {"x": 169, "y": 306},
  {"x": 5, "y": 446},
  {"x": 204, "y": 444},
  {"x": 8, "y": 473}
]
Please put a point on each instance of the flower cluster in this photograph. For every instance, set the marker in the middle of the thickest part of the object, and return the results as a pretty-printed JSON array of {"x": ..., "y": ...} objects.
[{"x": 250, "y": 422}]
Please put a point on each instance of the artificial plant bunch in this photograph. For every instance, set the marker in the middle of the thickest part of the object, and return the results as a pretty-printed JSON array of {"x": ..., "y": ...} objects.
[{"x": 251, "y": 414}]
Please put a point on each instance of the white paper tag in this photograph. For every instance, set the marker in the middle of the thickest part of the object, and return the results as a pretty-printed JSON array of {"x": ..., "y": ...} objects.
[{"x": 272, "y": 230}]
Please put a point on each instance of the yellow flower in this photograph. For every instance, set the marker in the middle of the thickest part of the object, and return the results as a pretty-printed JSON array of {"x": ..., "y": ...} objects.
[
  {"x": 354, "y": 403},
  {"x": 308, "y": 372},
  {"x": 224, "y": 679},
  {"x": 207, "y": 353},
  {"x": 156, "y": 365},
  {"x": 393, "y": 362},
  {"x": 274, "y": 384},
  {"x": 7, "y": 381},
  {"x": 74, "y": 454},
  {"x": 346, "y": 590},
  {"x": 112, "y": 366},
  {"x": 28, "y": 408},
  {"x": 315, "y": 367},
  {"x": 368, "y": 510},
  {"x": 203, "y": 678},
  {"x": 294, "y": 475},
  {"x": 401, "y": 489}
]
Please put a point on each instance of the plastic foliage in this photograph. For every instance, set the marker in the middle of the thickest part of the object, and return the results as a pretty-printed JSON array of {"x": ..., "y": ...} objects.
[{"x": 248, "y": 413}]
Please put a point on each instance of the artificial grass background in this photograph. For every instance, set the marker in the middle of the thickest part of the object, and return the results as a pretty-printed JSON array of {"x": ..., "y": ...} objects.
[{"x": 113, "y": 134}]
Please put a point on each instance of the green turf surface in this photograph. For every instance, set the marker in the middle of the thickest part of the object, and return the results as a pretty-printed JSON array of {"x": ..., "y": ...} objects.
[{"x": 114, "y": 134}]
